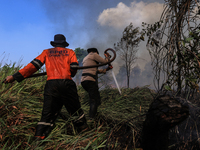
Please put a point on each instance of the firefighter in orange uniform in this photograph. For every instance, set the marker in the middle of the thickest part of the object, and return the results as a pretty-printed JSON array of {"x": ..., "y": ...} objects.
[{"x": 60, "y": 89}]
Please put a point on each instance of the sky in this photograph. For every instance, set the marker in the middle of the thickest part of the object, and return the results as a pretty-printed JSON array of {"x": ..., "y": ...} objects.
[{"x": 28, "y": 26}]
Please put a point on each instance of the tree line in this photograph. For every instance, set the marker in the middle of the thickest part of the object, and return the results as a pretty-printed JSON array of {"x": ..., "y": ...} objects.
[{"x": 173, "y": 45}]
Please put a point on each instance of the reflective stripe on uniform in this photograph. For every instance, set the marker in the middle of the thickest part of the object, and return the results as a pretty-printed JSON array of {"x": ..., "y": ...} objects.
[
  {"x": 37, "y": 63},
  {"x": 74, "y": 64},
  {"x": 45, "y": 123}
]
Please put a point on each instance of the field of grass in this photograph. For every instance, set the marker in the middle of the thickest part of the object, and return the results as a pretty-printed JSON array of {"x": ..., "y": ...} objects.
[{"x": 117, "y": 126}]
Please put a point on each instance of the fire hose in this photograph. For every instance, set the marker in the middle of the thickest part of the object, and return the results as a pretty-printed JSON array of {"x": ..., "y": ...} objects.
[
  {"x": 83, "y": 67},
  {"x": 92, "y": 66}
]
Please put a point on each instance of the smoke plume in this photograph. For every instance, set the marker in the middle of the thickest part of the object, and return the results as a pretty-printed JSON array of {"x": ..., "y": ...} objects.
[{"x": 100, "y": 24}]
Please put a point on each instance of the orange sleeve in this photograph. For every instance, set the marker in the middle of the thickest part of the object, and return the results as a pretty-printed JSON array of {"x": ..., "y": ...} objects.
[
  {"x": 28, "y": 70},
  {"x": 31, "y": 68}
]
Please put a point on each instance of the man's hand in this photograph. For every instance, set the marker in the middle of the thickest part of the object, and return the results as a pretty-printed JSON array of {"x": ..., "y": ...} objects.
[
  {"x": 107, "y": 55},
  {"x": 109, "y": 67},
  {"x": 9, "y": 79}
]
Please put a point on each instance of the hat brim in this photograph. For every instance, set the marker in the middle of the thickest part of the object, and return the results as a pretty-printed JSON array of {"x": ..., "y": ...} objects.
[{"x": 65, "y": 44}]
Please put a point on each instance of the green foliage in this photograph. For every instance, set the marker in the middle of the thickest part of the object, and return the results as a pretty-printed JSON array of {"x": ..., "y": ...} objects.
[
  {"x": 190, "y": 60},
  {"x": 80, "y": 54},
  {"x": 127, "y": 47},
  {"x": 173, "y": 44},
  {"x": 131, "y": 103}
]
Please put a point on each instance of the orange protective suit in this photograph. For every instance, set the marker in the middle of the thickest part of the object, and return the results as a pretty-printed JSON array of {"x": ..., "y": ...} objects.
[{"x": 57, "y": 61}]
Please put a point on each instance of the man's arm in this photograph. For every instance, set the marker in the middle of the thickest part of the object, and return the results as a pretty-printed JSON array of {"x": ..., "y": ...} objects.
[
  {"x": 100, "y": 71},
  {"x": 28, "y": 70},
  {"x": 100, "y": 59}
]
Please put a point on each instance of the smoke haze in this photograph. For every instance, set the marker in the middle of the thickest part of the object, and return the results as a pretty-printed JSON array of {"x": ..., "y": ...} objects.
[{"x": 101, "y": 24}]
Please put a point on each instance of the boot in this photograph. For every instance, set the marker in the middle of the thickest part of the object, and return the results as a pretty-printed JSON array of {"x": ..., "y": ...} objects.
[
  {"x": 81, "y": 124},
  {"x": 93, "y": 110}
]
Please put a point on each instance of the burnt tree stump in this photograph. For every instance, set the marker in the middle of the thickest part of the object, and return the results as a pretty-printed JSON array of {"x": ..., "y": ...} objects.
[
  {"x": 186, "y": 135},
  {"x": 164, "y": 113}
]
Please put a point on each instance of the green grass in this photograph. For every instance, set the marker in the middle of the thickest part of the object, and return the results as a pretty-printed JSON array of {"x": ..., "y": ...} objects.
[{"x": 117, "y": 126}]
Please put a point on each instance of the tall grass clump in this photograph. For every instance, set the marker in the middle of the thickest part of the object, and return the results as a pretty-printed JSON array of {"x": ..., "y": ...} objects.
[
  {"x": 117, "y": 125},
  {"x": 20, "y": 108}
]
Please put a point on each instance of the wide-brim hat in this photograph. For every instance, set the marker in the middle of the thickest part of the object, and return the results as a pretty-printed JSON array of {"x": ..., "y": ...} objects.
[
  {"x": 59, "y": 39},
  {"x": 92, "y": 50}
]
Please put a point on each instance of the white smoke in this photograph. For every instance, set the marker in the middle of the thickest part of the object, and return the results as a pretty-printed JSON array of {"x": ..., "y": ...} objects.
[{"x": 121, "y": 16}]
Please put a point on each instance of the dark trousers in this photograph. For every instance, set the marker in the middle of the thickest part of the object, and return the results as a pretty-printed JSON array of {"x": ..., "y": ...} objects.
[
  {"x": 95, "y": 100},
  {"x": 57, "y": 93}
]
